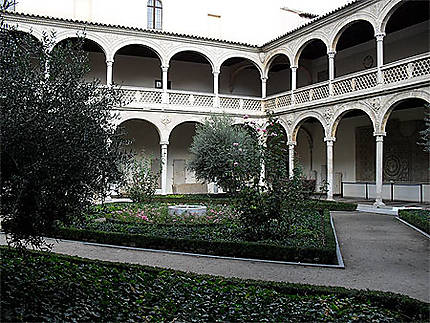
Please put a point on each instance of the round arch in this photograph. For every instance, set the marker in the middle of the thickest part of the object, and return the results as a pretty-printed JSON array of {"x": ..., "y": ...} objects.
[
  {"x": 340, "y": 113},
  {"x": 301, "y": 46},
  {"x": 346, "y": 24},
  {"x": 302, "y": 118},
  {"x": 389, "y": 106},
  {"x": 387, "y": 12},
  {"x": 224, "y": 58},
  {"x": 121, "y": 121},
  {"x": 181, "y": 122},
  {"x": 29, "y": 30},
  {"x": 97, "y": 40},
  {"x": 139, "y": 42},
  {"x": 272, "y": 57},
  {"x": 196, "y": 50}
]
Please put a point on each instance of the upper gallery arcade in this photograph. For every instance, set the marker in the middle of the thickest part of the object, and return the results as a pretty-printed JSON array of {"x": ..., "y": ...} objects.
[{"x": 349, "y": 87}]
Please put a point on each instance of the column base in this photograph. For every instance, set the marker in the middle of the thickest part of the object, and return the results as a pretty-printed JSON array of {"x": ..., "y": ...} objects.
[
  {"x": 329, "y": 198},
  {"x": 379, "y": 203}
]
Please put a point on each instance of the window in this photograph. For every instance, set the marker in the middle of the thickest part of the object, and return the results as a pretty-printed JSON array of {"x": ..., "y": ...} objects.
[{"x": 154, "y": 14}]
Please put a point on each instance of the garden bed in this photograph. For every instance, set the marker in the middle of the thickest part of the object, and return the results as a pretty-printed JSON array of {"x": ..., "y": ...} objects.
[
  {"x": 418, "y": 218},
  {"x": 219, "y": 233},
  {"x": 50, "y": 287}
]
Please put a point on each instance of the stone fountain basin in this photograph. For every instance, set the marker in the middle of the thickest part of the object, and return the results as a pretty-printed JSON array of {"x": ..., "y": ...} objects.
[{"x": 188, "y": 209}]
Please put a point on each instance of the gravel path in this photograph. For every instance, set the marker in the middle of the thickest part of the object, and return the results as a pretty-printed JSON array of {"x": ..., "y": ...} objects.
[{"x": 379, "y": 252}]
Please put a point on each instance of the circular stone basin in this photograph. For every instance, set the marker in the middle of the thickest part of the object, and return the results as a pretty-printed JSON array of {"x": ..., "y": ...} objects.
[{"x": 188, "y": 209}]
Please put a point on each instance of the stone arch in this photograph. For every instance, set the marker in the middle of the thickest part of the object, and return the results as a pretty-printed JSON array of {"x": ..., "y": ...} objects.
[
  {"x": 387, "y": 12},
  {"x": 305, "y": 41},
  {"x": 194, "y": 49},
  {"x": 252, "y": 59},
  {"x": 339, "y": 114},
  {"x": 174, "y": 125},
  {"x": 272, "y": 57},
  {"x": 302, "y": 118},
  {"x": 126, "y": 42},
  {"x": 340, "y": 28},
  {"x": 126, "y": 118},
  {"x": 93, "y": 37},
  {"x": 29, "y": 30},
  {"x": 388, "y": 107}
]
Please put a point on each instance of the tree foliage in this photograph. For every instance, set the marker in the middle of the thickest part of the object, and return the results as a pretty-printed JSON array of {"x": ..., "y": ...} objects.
[
  {"x": 59, "y": 147},
  {"x": 425, "y": 134},
  {"x": 226, "y": 154}
]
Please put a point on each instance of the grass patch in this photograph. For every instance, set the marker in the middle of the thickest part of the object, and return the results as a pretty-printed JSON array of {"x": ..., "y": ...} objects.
[
  {"x": 50, "y": 287},
  {"x": 418, "y": 218}
]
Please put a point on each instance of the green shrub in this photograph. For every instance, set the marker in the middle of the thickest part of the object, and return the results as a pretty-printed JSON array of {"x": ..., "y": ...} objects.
[
  {"x": 218, "y": 240},
  {"x": 50, "y": 287},
  {"x": 418, "y": 218}
]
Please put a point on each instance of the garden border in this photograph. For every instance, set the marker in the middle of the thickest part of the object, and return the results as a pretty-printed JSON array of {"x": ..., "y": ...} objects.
[
  {"x": 340, "y": 264},
  {"x": 413, "y": 227}
]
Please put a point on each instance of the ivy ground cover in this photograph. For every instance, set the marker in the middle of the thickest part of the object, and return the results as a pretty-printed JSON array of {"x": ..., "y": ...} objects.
[{"x": 49, "y": 287}]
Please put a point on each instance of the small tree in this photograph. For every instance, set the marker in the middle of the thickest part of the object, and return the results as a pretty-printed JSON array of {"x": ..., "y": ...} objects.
[
  {"x": 226, "y": 154},
  {"x": 59, "y": 147},
  {"x": 141, "y": 182},
  {"x": 425, "y": 134}
]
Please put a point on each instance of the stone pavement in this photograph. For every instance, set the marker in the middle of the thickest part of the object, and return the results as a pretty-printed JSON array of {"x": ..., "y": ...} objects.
[{"x": 380, "y": 253}]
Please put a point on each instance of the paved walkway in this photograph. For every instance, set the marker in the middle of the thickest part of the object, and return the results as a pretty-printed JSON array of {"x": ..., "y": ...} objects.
[{"x": 380, "y": 253}]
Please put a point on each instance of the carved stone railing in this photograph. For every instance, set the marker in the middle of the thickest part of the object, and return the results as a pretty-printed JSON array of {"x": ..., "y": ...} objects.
[
  {"x": 311, "y": 93},
  {"x": 140, "y": 95},
  {"x": 191, "y": 99},
  {"x": 278, "y": 101},
  {"x": 355, "y": 82},
  {"x": 417, "y": 67},
  {"x": 240, "y": 103},
  {"x": 406, "y": 69}
]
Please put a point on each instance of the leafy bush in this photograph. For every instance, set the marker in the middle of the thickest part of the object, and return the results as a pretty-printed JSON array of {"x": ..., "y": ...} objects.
[
  {"x": 141, "y": 182},
  {"x": 223, "y": 240},
  {"x": 418, "y": 218},
  {"x": 59, "y": 147},
  {"x": 225, "y": 154},
  {"x": 49, "y": 287}
]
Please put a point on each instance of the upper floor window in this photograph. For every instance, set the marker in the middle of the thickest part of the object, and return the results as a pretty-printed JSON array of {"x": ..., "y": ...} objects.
[{"x": 154, "y": 14}]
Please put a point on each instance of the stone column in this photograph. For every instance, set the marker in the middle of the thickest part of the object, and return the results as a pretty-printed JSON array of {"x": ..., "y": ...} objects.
[
  {"x": 330, "y": 142},
  {"x": 379, "y": 167},
  {"x": 293, "y": 82},
  {"x": 109, "y": 73},
  {"x": 216, "y": 88},
  {"x": 164, "y": 146},
  {"x": 263, "y": 87},
  {"x": 165, "y": 96},
  {"x": 380, "y": 55},
  {"x": 331, "y": 70},
  {"x": 262, "y": 141},
  {"x": 291, "y": 147}
]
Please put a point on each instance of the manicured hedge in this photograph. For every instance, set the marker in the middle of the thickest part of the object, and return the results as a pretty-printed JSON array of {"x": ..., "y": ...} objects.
[
  {"x": 49, "y": 287},
  {"x": 241, "y": 249},
  {"x": 418, "y": 218}
]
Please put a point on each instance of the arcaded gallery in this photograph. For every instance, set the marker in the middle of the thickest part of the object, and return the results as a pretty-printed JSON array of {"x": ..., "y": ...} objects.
[{"x": 350, "y": 87}]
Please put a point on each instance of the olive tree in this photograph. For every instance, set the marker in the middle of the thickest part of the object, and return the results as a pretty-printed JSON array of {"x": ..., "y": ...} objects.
[
  {"x": 226, "y": 154},
  {"x": 59, "y": 147}
]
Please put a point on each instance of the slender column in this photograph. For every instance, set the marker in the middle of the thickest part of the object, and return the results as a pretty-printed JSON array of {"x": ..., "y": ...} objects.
[
  {"x": 109, "y": 65},
  {"x": 379, "y": 167},
  {"x": 165, "y": 97},
  {"x": 293, "y": 82},
  {"x": 291, "y": 147},
  {"x": 262, "y": 141},
  {"x": 331, "y": 70},
  {"x": 329, "y": 141},
  {"x": 380, "y": 55},
  {"x": 164, "y": 146},
  {"x": 216, "y": 88},
  {"x": 263, "y": 87}
]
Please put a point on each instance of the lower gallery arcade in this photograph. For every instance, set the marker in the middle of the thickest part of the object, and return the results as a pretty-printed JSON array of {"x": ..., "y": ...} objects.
[{"x": 405, "y": 166}]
